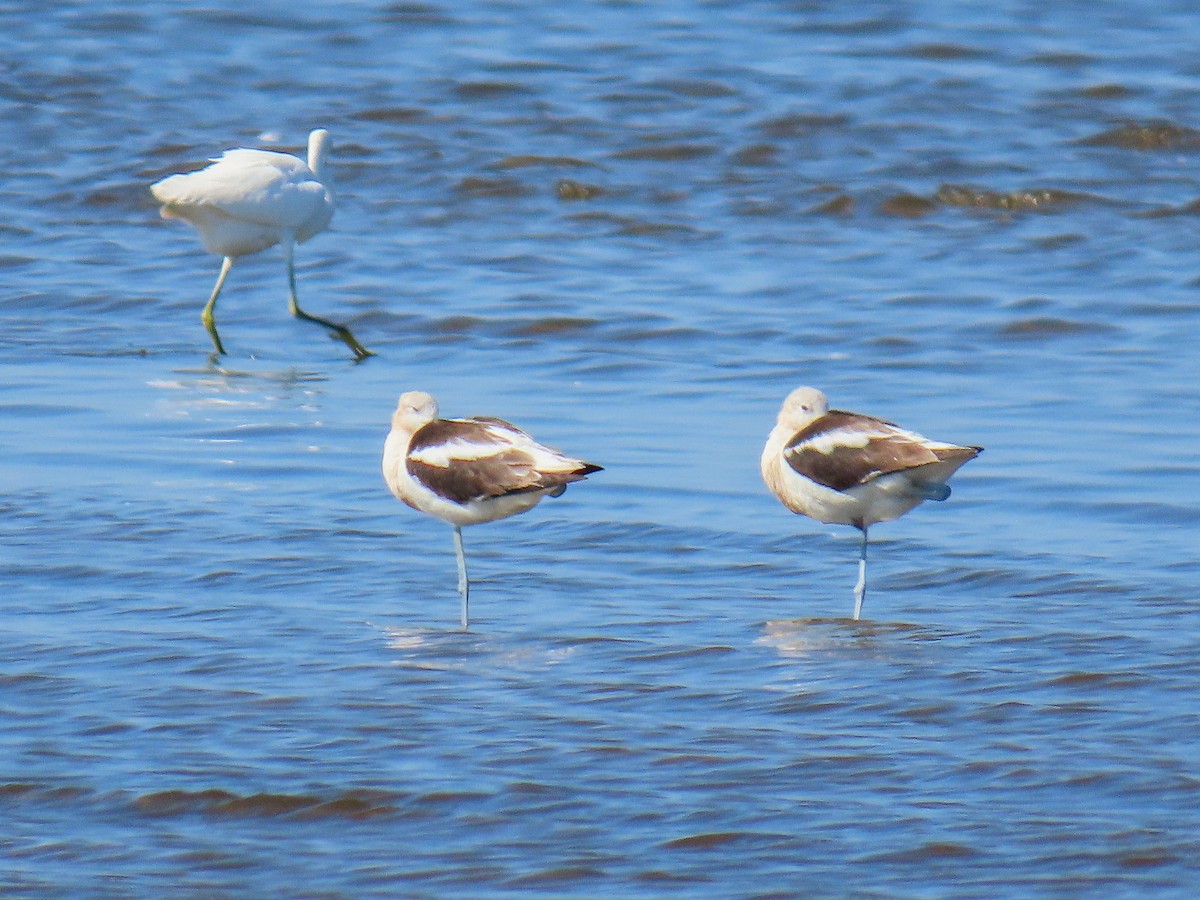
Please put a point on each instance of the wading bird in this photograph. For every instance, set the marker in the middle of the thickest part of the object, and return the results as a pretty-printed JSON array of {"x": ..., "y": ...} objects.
[
  {"x": 249, "y": 200},
  {"x": 850, "y": 469},
  {"x": 467, "y": 471}
]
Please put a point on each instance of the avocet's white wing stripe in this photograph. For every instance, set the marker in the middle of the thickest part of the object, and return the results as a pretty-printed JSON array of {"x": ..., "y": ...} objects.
[
  {"x": 840, "y": 450},
  {"x": 472, "y": 459}
]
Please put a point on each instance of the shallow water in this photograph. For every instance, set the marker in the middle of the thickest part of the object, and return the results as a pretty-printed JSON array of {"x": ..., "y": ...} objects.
[{"x": 228, "y": 658}]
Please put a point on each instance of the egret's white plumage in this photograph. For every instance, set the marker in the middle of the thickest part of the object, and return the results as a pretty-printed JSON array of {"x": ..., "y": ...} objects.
[
  {"x": 851, "y": 469},
  {"x": 249, "y": 200},
  {"x": 468, "y": 471}
]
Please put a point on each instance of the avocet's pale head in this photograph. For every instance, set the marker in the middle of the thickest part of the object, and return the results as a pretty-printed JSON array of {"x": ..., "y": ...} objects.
[
  {"x": 416, "y": 408},
  {"x": 803, "y": 405}
]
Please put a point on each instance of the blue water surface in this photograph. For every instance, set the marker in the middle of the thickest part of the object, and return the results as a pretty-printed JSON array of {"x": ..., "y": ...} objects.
[{"x": 229, "y": 662}]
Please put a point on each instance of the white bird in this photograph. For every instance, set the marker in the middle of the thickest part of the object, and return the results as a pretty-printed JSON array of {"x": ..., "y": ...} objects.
[
  {"x": 249, "y": 200},
  {"x": 467, "y": 471},
  {"x": 845, "y": 468}
]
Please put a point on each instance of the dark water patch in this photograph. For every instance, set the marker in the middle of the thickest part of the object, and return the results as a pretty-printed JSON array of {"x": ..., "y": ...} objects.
[
  {"x": 356, "y": 806},
  {"x": 1078, "y": 708},
  {"x": 175, "y": 151},
  {"x": 479, "y": 186},
  {"x": 643, "y": 100},
  {"x": 1062, "y": 59},
  {"x": 218, "y": 803},
  {"x": 107, "y": 22},
  {"x": 838, "y": 205},
  {"x": 178, "y": 802},
  {"x": 38, "y": 410},
  {"x": 568, "y": 189},
  {"x": 1149, "y": 858},
  {"x": 600, "y": 217},
  {"x": 425, "y": 14},
  {"x": 895, "y": 344},
  {"x": 1039, "y": 328},
  {"x": 16, "y": 789},
  {"x": 945, "y": 52},
  {"x": 715, "y": 840},
  {"x": 1106, "y": 91},
  {"x": 618, "y": 694},
  {"x": 689, "y": 760},
  {"x": 756, "y": 155},
  {"x": 395, "y": 115},
  {"x": 696, "y": 88},
  {"x": 18, "y": 231},
  {"x": 127, "y": 195},
  {"x": 543, "y": 64},
  {"x": 1068, "y": 584},
  {"x": 806, "y": 705},
  {"x": 69, "y": 572},
  {"x": 528, "y": 160},
  {"x": 489, "y": 90},
  {"x": 1150, "y": 511},
  {"x": 450, "y": 799},
  {"x": 35, "y": 680},
  {"x": 107, "y": 729},
  {"x": 641, "y": 228},
  {"x": 548, "y": 878},
  {"x": 1182, "y": 470},
  {"x": 760, "y": 208},
  {"x": 460, "y": 327},
  {"x": 656, "y": 328},
  {"x": 1030, "y": 304},
  {"x": 247, "y": 19},
  {"x": 801, "y": 124},
  {"x": 854, "y": 27},
  {"x": 536, "y": 789},
  {"x": 668, "y": 152},
  {"x": 680, "y": 653},
  {"x": 632, "y": 226},
  {"x": 598, "y": 640},
  {"x": 907, "y": 206},
  {"x": 1057, "y": 241},
  {"x": 214, "y": 861},
  {"x": 1152, "y": 135},
  {"x": 1028, "y": 200},
  {"x": 660, "y": 876},
  {"x": 931, "y": 852},
  {"x": 551, "y": 325},
  {"x": 930, "y": 713},
  {"x": 220, "y": 576},
  {"x": 934, "y": 301},
  {"x": 612, "y": 751},
  {"x": 1101, "y": 680},
  {"x": 1190, "y": 208},
  {"x": 42, "y": 794}
]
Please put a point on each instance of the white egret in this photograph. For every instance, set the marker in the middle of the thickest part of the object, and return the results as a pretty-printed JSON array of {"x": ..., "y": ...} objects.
[{"x": 249, "y": 200}]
